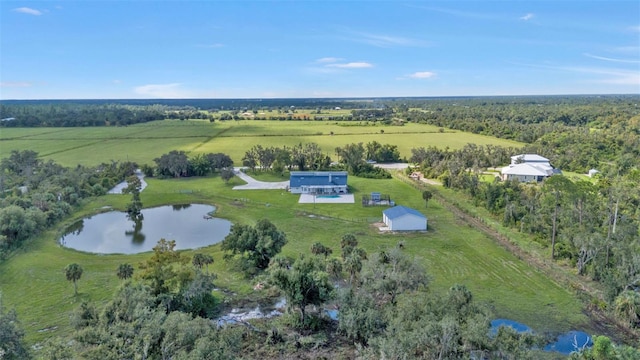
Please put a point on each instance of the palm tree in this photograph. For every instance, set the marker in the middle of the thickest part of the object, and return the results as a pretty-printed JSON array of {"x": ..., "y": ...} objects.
[
  {"x": 199, "y": 260},
  {"x": 627, "y": 306},
  {"x": 207, "y": 259},
  {"x": 125, "y": 271},
  {"x": 426, "y": 196},
  {"x": 73, "y": 273}
]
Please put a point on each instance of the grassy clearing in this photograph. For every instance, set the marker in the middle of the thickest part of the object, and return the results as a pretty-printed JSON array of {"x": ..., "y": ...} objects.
[
  {"x": 33, "y": 281},
  {"x": 144, "y": 142}
]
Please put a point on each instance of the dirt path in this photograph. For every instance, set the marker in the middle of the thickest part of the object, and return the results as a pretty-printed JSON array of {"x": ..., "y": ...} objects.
[
  {"x": 600, "y": 321},
  {"x": 253, "y": 184}
]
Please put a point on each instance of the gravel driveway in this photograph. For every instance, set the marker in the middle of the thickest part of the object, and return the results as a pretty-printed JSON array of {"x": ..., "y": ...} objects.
[{"x": 253, "y": 184}]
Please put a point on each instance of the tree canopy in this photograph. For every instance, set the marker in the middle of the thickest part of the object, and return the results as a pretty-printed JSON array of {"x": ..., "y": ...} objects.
[{"x": 254, "y": 245}]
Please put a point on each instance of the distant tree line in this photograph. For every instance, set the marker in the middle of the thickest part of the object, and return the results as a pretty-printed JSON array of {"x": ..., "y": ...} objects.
[{"x": 82, "y": 115}]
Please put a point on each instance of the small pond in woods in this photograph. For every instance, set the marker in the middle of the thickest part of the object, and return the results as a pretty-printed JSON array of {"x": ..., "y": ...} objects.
[
  {"x": 564, "y": 343},
  {"x": 191, "y": 226}
]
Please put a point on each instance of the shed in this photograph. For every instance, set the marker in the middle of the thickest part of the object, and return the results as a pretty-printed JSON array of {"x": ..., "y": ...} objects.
[{"x": 402, "y": 218}]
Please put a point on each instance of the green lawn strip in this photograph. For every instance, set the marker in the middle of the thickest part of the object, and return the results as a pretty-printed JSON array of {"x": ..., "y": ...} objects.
[
  {"x": 268, "y": 175},
  {"x": 139, "y": 151},
  {"x": 45, "y": 147},
  {"x": 33, "y": 281},
  {"x": 26, "y": 133}
]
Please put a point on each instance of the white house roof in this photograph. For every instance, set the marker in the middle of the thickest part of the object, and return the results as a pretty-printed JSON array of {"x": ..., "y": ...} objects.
[
  {"x": 525, "y": 169},
  {"x": 398, "y": 211},
  {"x": 529, "y": 158}
]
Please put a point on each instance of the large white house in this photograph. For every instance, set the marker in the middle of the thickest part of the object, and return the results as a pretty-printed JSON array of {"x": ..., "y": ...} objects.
[
  {"x": 529, "y": 159},
  {"x": 402, "y": 218},
  {"x": 528, "y": 168}
]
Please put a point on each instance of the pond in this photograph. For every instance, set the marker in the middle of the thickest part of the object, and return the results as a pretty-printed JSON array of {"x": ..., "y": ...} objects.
[
  {"x": 564, "y": 343},
  {"x": 191, "y": 226}
]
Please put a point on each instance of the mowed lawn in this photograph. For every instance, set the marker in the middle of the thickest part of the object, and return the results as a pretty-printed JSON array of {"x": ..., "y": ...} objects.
[
  {"x": 33, "y": 281},
  {"x": 144, "y": 142}
]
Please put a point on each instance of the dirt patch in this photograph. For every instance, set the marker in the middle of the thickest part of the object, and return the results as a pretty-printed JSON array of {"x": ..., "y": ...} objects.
[
  {"x": 431, "y": 182},
  {"x": 236, "y": 203}
]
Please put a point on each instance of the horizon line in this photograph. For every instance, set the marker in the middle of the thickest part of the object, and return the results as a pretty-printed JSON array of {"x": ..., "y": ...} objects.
[{"x": 329, "y": 98}]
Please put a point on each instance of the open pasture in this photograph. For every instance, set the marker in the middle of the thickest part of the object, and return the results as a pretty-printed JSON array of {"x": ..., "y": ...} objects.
[
  {"x": 33, "y": 281},
  {"x": 144, "y": 142}
]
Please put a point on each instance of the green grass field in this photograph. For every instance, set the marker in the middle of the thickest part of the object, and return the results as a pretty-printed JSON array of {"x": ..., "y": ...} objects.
[
  {"x": 144, "y": 142},
  {"x": 32, "y": 280}
]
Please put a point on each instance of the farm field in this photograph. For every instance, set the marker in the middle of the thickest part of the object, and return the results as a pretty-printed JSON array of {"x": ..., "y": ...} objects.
[
  {"x": 142, "y": 143},
  {"x": 32, "y": 280}
]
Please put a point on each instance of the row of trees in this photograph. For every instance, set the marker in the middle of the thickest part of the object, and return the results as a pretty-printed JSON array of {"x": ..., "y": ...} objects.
[
  {"x": 303, "y": 157},
  {"x": 178, "y": 164}
]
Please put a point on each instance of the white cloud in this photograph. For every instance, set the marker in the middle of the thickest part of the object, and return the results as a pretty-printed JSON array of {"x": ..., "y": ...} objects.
[
  {"x": 15, "y": 84},
  {"x": 635, "y": 28},
  {"x": 527, "y": 17},
  {"x": 117, "y": 81},
  {"x": 612, "y": 59},
  {"x": 351, "y": 65},
  {"x": 325, "y": 60},
  {"x": 26, "y": 10},
  {"x": 422, "y": 75},
  {"x": 173, "y": 90}
]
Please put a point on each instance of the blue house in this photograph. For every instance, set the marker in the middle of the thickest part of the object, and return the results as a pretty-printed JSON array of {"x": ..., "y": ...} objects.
[
  {"x": 401, "y": 218},
  {"x": 318, "y": 182}
]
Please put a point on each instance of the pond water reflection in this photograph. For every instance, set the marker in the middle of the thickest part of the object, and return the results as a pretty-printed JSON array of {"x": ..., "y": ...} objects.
[{"x": 191, "y": 226}]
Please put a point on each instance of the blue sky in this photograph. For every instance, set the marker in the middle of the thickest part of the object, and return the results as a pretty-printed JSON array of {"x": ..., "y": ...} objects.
[{"x": 267, "y": 49}]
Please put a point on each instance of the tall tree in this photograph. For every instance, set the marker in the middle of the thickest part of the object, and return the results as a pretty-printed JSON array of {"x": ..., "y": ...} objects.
[
  {"x": 134, "y": 208},
  {"x": 73, "y": 272},
  {"x": 175, "y": 163},
  {"x": 199, "y": 260},
  {"x": 165, "y": 270},
  {"x": 352, "y": 155},
  {"x": 557, "y": 188},
  {"x": 255, "y": 245},
  {"x": 305, "y": 283},
  {"x": 426, "y": 196}
]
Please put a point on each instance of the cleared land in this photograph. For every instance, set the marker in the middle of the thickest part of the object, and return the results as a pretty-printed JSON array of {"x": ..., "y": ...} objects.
[
  {"x": 144, "y": 142},
  {"x": 33, "y": 280}
]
